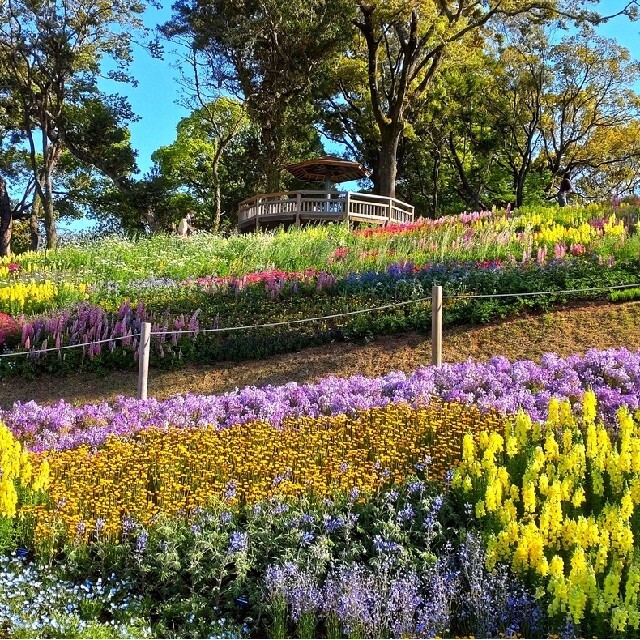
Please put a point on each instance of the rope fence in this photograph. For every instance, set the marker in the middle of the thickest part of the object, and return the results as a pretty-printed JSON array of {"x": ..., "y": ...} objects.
[{"x": 437, "y": 300}]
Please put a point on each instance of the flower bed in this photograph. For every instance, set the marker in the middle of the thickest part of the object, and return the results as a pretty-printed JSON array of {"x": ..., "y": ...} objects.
[
  {"x": 235, "y": 303},
  {"x": 535, "y": 533},
  {"x": 613, "y": 374}
]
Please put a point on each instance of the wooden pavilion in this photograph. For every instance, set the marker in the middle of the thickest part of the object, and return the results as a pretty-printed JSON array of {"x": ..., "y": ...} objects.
[{"x": 270, "y": 210}]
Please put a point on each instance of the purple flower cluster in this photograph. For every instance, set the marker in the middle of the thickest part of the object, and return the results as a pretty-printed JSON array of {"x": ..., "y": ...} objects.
[
  {"x": 87, "y": 323},
  {"x": 614, "y": 375},
  {"x": 400, "y": 603}
]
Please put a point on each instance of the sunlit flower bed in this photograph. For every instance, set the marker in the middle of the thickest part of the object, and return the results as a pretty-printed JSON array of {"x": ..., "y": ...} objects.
[
  {"x": 272, "y": 302},
  {"x": 531, "y": 527},
  {"x": 613, "y": 374},
  {"x": 209, "y": 282},
  {"x": 31, "y": 296},
  {"x": 559, "y": 503},
  {"x": 469, "y": 236},
  {"x": 174, "y": 471}
]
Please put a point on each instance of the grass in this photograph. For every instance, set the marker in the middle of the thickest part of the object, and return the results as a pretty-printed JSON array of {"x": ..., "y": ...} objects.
[{"x": 572, "y": 329}]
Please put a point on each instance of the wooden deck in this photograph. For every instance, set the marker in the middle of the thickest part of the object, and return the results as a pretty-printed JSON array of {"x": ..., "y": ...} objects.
[{"x": 267, "y": 211}]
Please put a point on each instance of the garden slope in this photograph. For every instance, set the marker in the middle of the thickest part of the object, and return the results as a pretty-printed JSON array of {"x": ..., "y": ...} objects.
[{"x": 566, "y": 330}]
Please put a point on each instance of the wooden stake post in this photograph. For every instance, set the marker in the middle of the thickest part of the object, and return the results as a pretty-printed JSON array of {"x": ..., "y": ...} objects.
[
  {"x": 436, "y": 325},
  {"x": 143, "y": 360}
]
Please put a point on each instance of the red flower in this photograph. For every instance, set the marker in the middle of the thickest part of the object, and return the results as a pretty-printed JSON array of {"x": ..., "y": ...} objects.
[{"x": 10, "y": 329}]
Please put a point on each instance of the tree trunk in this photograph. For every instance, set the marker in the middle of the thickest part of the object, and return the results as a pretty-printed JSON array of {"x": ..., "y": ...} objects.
[
  {"x": 270, "y": 132},
  {"x": 151, "y": 219},
  {"x": 6, "y": 220},
  {"x": 34, "y": 226},
  {"x": 49, "y": 212},
  {"x": 435, "y": 178},
  {"x": 388, "y": 161},
  {"x": 217, "y": 215},
  {"x": 470, "y": 195},
  {"x": 519, "y": 188}
]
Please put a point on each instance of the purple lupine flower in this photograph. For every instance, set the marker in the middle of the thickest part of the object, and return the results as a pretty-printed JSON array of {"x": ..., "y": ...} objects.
[
  {"x": 230, "y": 491},
  {"x": 385, "y": 546},
  {"x": 141, "y": 542}
]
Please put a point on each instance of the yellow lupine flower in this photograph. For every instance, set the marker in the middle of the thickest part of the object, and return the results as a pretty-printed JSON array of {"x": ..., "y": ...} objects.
[
  {"x": 551, "y": 447},
  {"x": 522, "y": 427},
  {"x": 578, "y": 497},
  {"x": 468, "y": 448},
  {"x": 589, "y": 407},
  {"x": 556, "y": 567},
  {"x": 529, "y": 497}
]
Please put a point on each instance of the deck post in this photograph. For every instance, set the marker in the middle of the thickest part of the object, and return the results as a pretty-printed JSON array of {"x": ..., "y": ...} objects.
[
  {"x": 347, "y": 206},
  {"x": 298, "y": 207},
  {"x": 390, "y": 212}
]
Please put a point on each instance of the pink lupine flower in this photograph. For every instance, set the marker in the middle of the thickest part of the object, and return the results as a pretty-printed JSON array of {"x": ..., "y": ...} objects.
[
  {"x": 541, "y": 256},
  {"x": 560, "y": 251}
]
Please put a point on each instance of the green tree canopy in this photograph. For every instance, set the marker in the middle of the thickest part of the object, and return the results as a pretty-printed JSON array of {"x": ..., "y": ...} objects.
[{"x": 51, "y": 52}]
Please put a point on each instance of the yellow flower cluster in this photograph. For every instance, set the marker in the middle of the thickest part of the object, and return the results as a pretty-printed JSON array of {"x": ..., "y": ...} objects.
[
  {"x": 614, "y": 227},
  {"x": 559, "y": 501},
  {"x": 581, "y": 234},
  {"x": 16, "y": 472},
  {"x": 173, "y": 471},
  {"x": 28, "y": 264},
  {"x": 27, "y": 297},
  {"x": 550, "y": 228}
]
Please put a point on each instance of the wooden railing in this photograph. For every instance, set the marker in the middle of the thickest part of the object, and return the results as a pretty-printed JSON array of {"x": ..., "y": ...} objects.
[{"x": 297, "y": 206}]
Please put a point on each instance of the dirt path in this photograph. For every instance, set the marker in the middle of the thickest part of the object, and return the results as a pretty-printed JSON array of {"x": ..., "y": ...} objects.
[{"x": 565, "y": 331}]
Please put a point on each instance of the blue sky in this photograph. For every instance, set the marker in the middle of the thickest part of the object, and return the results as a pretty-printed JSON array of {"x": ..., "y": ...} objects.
[{"x": 155, "y": 99}]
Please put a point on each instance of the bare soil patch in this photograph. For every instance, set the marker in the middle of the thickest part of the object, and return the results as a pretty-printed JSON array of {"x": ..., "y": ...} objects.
[{"x": 572, "y": 329}]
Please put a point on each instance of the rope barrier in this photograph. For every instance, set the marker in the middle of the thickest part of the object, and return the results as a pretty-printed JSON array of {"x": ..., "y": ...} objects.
[
  {"x": 223, "y": 329},
  {"x": 328, "y": 317},
  {"x": 301, "y": 321},
  {"x": 541, "y": 293},
  {"x": 68, "y": 346}
]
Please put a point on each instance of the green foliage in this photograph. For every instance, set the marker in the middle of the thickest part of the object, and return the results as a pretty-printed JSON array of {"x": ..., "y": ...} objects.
[
  {"x": 191, "y": 575},
  {"x": 624, "y": 295},
  {"x": 194, "y": 162}
]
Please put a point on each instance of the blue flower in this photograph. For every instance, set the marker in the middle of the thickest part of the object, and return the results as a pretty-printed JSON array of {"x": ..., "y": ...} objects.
[
  {"x": 306, "y": 537},
  {"x": 238, "y": 542}
]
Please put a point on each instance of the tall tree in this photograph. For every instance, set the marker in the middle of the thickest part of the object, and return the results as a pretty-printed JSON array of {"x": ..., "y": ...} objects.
[
  {"x": 15, "y": 178},
  {"x": 520, "y": 80},
  {"x": 193, "y": 161},
  {"x": 589, "y": 93},
  {"x": 406, "y": 42},
  {"x": 271, "y": 54},
  {"x": 50, "y": 57}
]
